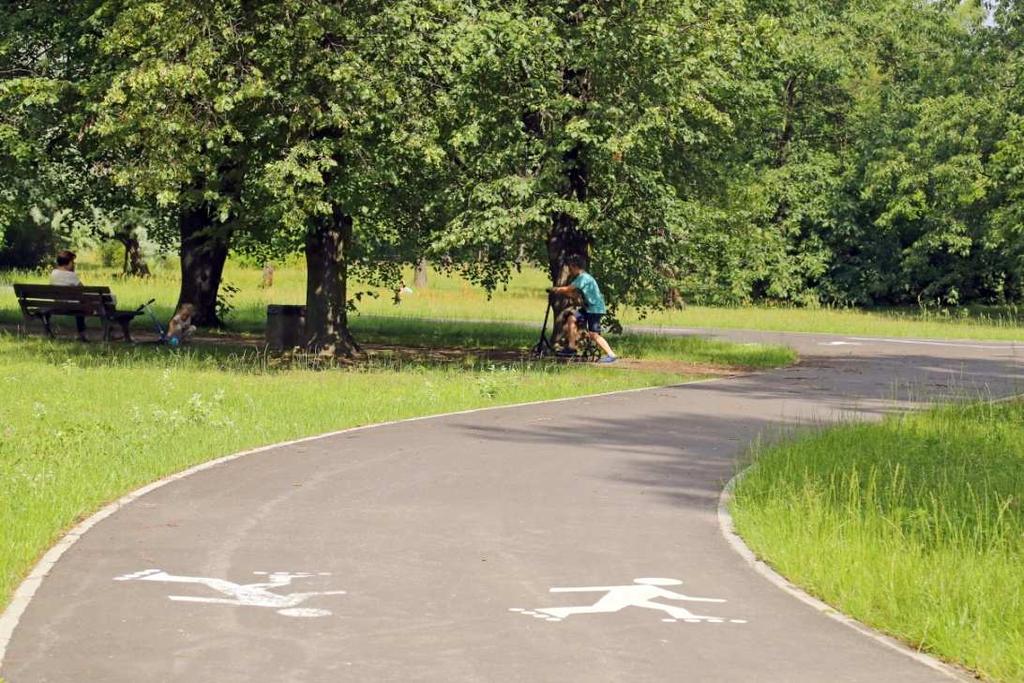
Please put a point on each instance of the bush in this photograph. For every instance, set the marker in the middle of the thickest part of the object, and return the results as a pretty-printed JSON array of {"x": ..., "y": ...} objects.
[
  {"x": 111, "y": 253},
  {"x": 27, "y": 245}
]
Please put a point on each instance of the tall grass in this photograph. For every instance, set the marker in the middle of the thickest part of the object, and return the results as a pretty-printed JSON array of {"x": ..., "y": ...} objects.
[
  {"x": 915, "y": 526},
  {"x": 449, "y": 297}
]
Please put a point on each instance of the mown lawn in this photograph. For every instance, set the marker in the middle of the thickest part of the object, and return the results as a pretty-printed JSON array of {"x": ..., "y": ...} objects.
[
  {"x": 82, "y": 424},
  {"x": 914, "y": 525},
  {"x": 451, "y": 298}
]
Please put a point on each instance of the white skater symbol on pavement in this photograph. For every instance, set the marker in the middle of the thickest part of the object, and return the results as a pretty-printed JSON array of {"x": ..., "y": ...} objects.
[
  {"x": 641, "y": 593},
  {"x": 245, "y": 594}
]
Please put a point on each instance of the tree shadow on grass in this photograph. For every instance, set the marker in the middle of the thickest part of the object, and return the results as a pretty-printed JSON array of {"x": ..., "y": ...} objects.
[
  {"x": 393, "y": 343},
  {"x": 238, "y": 352}
]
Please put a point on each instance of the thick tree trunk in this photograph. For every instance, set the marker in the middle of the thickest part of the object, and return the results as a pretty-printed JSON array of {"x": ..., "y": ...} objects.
[
  {"x": 785, "y": 137},
  {"x": 327, "y": 288},
  {"x": 566, "y": 239},
  {"x": 134, "y": 261},
  {"x": 785, "y": 140},
  {"x": 673, "y": 298},
  {"x": 419, "y": 280},
  {"x": 204, "y": 250}
]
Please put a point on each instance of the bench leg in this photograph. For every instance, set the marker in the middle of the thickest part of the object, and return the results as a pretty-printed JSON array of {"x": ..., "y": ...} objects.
[
  {"x": 106, "y": 330},
  {"x": 46, "y": 325},
  {"x": 126, "y": 330}
]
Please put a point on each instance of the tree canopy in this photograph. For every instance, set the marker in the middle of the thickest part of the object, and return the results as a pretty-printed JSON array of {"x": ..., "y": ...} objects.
[{"x": 716, "y": 151}]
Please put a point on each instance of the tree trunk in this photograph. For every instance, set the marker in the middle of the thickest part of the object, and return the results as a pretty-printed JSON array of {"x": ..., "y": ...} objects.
[
  {"x": 785, "y": 139},
  {"x": 204, "y": 250},
  {"x": 134, "y": 261},
  {"x": 419, "y": 280},
  {"x": 671, "y": 295},
  {"x": 673, "y": 298},
  {"x": 786, "y": 134},
  {"x": 327, "y": 287},
  {"x": 566, "y": 239}
]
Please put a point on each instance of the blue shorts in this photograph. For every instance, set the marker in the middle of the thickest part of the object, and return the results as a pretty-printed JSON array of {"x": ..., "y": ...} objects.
[{"x": 590, "y": 321}]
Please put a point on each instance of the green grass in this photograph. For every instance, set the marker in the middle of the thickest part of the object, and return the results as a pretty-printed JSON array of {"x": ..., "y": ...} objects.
[
  {"x": 476, "y": 335},
  {"x": 81, "y": 425},
  {"x": 523, "y": 300},
  {"x": 914, "y": 525},
  {"x": 976, "y": 322}
]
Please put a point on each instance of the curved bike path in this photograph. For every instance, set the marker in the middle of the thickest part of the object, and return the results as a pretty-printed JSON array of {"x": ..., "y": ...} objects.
[{"x": 448, "y": 534}]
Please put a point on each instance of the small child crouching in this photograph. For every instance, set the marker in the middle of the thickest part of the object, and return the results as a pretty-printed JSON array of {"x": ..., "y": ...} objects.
[{"x": 181, "y": 327}]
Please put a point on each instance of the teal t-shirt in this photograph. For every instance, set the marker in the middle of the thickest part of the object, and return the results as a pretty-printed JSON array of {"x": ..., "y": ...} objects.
[{"x": 587, "y": 285}]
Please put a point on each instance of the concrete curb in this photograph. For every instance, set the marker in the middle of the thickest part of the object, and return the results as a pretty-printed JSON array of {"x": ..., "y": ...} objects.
[
  {"x": 725, "y": 525},
  {"x": 27, "y": 589}
]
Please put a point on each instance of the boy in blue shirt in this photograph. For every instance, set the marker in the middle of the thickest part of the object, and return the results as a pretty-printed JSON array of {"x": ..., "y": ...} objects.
[{"x": 594, "y": 309}]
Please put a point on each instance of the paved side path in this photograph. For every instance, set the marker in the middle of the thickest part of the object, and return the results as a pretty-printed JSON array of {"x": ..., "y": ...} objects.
[{"x": 448, "y": 536}]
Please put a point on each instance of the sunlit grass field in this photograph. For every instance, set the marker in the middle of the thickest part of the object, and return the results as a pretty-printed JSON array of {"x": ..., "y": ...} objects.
[
  {"x": 454, "y": 334},
  {"x": 523, "y": 300},
  {"x": 915, "y": 526},
  {"x": 82, "y": 424}
]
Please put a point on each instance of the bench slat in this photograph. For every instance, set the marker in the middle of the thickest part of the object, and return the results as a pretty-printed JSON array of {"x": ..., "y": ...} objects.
[
  {"x": 59, "y": 300},
  {"x": 51, "y": 290},
  {"x": 68, "y": 299},
  {"x": 65, "y": 308}
]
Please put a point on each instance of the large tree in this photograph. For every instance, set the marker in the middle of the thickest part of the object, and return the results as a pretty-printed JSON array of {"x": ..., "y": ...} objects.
[
  {"x": 349, "y": 151},
  {"x": 45, "y": 51},
  {"x": 739, "y": 150},
  {"x": 277, "y": 122},
  {"x": 170, "y": 113},
  {"x": 589, "y": 128},
  {"x": 917, "y": 196}
]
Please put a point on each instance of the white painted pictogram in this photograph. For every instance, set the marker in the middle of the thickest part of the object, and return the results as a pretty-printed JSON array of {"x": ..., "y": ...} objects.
[
  {"x": 245, "y": 594},
  {"x": 641, "y": 593}
]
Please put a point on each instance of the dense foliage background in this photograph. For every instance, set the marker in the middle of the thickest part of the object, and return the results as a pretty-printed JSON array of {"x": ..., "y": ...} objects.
[{"x": 718, "y": 151}]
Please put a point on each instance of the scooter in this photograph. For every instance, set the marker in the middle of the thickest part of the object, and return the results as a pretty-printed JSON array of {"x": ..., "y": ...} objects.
[
  {"x": 161, "y": 333},
  {"x": 544, "y": 347},
  {"x": 588, "y": 351}
]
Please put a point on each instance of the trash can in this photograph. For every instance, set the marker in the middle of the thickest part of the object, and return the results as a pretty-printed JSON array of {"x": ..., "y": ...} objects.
[{"x": 285, "y": 327}]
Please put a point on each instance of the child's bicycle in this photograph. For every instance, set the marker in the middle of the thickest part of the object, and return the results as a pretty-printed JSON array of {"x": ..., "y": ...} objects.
[
  {"x": 553, "y": 344},
  {"x": 586, "y": 351}
]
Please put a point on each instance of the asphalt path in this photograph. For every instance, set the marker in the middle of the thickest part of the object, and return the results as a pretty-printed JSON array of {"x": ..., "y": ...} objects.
[{"x": 447, "y": 536}]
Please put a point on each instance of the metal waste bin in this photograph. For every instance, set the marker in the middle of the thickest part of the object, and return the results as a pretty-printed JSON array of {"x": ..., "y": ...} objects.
[{"x": 285, "y": 327}]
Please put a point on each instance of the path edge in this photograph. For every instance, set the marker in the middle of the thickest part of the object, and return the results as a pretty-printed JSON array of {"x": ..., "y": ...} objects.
[
  {"x": 736, "y": 542},
  {"x": 26, "y": 590}
]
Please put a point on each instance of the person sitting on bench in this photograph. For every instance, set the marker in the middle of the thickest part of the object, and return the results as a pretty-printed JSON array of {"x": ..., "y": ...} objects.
[{"x": 64, "y": 275}]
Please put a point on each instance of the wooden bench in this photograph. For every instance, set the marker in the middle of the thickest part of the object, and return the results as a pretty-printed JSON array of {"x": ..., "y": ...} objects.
[{"x": 43, "y": 301}]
